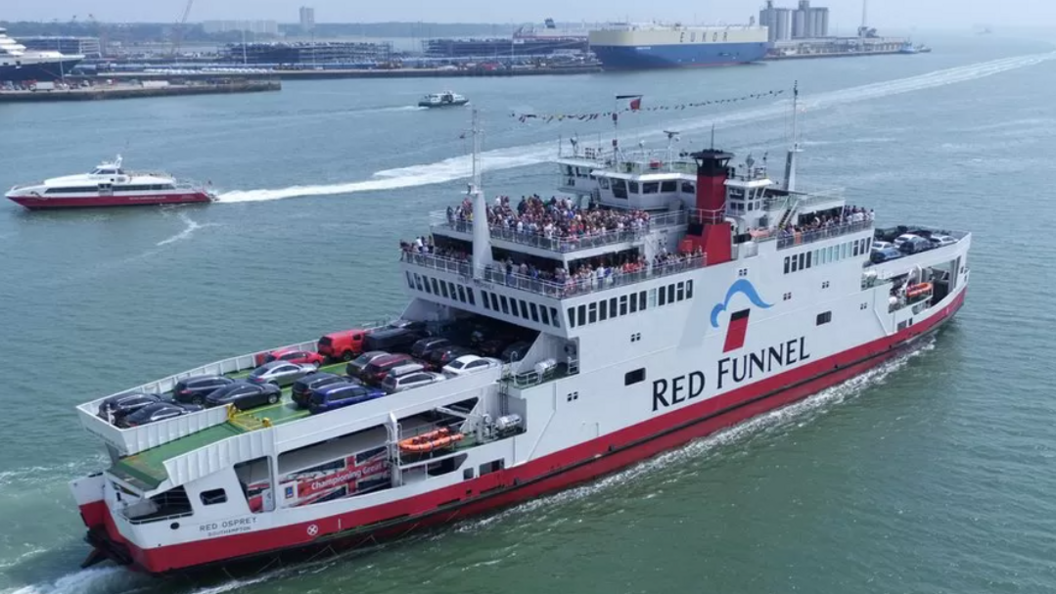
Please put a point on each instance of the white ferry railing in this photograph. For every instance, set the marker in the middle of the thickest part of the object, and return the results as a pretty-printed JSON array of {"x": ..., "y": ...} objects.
[
  {"x": 569, "y": 244},
  {"x": 571, "y": 287},
  {"x": 789, "y": 238}
]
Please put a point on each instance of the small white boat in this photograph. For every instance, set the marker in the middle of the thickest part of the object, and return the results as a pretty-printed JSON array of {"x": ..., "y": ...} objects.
[{"x": 444, "y": 99}]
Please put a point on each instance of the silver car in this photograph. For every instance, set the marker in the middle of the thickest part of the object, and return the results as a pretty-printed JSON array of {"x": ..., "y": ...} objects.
[
  {"x": 281, "y": 373},
  {"x": 393, "y": 384}
]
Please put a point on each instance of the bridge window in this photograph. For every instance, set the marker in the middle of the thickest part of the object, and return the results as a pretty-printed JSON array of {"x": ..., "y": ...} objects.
[
  {"x": 571, "y": 317},
  {"x": 553, "y": 317},
  {"x": 632, "y": 187},
  {"x": 663, "y": 297},
  {"x": 592, "y": 313},
  {"x": 436, "y": 287},
  {"x": 623, "y": 305},
  {"x": 484, "y": 298},
  {"x": 469, "y": 293},
  {"x": 687, "y": 188},
  {"x": 524, "y": 309},
  {"x": 619, "y": 188},
  {"x": 680, "y": 291},
  {"x": 634, "y": 377},
  {"x": 650, "y": 187},
  {"x": 581, "y": 319},
  {"x": 410, "y": 280},
  {"x": 505, "y": 305},
  {"x": 671, "y": 293},
  {"x": 425, "y": 279},
  {"x": 461, "y": 294},
  {"x": 603, "y": 310},
  {"x": 641, "y": 300},
  {"x": 612, "y": 307},
  {"x": 494, "y": 302},
  {"x": 214, "y": 497},
  {"x": 669, "y": 186},
  {"x": 634, "y": 302},
  {"x": 443, "y": 288},
  {"x": 535, "y": 312},
  {"x": 543, "y": 313},
  {"x": 603, "y": 183}
]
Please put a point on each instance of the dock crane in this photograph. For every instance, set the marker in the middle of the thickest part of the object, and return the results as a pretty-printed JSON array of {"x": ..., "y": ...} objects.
[{"x": 177, "y": 33}]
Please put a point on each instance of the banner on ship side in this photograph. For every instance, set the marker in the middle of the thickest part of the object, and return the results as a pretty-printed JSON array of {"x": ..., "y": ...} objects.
[{"x": 635, "y": 105}]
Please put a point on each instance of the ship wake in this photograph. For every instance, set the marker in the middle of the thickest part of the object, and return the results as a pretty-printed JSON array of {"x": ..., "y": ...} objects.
[{"x": 522, "y": 156}]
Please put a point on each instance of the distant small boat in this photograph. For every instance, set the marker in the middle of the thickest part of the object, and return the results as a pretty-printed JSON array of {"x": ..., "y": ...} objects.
[{"x": 445, "y": 99}]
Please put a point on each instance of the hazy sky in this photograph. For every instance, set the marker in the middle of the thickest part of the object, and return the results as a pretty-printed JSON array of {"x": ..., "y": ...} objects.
[{"x": 901, "y": 14}]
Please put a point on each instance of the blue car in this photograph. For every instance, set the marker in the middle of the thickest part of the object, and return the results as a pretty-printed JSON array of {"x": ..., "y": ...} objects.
[
  {"x": 341, "y": 395},
  {"x": 885, "y": 255}
]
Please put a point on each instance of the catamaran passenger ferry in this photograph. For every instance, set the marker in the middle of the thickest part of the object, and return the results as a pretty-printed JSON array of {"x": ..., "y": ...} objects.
[{"x": 545, "y": 343}]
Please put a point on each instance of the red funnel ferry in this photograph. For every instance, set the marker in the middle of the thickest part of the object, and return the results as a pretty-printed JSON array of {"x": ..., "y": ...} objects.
[{"x": 108, "y": 185}]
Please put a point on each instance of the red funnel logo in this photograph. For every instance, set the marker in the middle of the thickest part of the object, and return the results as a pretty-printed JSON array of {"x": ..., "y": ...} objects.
[{"x": 735, "y": 331}]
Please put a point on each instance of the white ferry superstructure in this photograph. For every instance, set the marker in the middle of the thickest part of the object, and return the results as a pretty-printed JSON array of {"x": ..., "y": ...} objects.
[{"x": 726, "y": 307}]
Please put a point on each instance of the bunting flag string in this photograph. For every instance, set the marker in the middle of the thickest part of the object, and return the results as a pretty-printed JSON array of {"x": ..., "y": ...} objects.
[{"x": 587, "y": 117}]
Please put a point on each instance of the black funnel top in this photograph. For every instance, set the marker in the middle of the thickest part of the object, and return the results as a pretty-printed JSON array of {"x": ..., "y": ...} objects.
[{"x": 711, "y": 162}]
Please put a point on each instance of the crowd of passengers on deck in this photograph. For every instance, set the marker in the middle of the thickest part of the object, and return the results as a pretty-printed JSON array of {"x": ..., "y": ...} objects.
[
  {"x": 828, "y": 222},
  {"x": 584, "y": 276},
  {"x": 556, "y": 218}
]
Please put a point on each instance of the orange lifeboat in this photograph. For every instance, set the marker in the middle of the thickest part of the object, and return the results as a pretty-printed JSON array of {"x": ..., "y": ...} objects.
[
  {"x": 428, "y": 442},
  {"x": 918, "y": 290}
]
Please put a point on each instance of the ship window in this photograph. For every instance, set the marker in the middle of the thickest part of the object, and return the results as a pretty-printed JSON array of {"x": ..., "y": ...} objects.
[
  {"x": 632, "y": 187},
  {"x": 461, "y": 294},
  {"x": 846, "y": 250},
  {"x": 828, "y": 258},
  {"x": 612, "y": 307},
  {"x": 802, "y": 261},
  {"x": 418, "y": 281},
  {"x": 692, "y": 37},
  {"x": 545, "y": 316},
  {"x": 854, "y": 251},
  {"x": 592, "y": 313},
  {"x": 436, "y": 286},
  {"x": 824, "y": 318},
  {"x": 553, "y": 316},
  {"x": 603, "y": 183},
  {"x": 603, "y": 310},
  {"x": 410, "y": 280},
  {"x": 689, "y": 289},
  {"x": 491, "y": 467},
  {"x": 524, "y": 309},
  {"x": 663, "y": 296},
  {"x": 451, "y": 288},
  {"x": 634, "y": 302},
  {"x": 687, "y": 188},
  {"x": 443, "y": 288},
  {"x": 619, "y": 188},
  {"x": 671, "y": 293},
  {"x": 535, "y": 312},
  {"x": 571, "y": 317},
  {"x": 680, "y": 291},
  {"x": 634, "y": 377},
  {"x": 484, "y": 297},
  {"x": 669, "y": 186},
  {"x": 425, "y": 279},
  {"x": 808, "y": 259},
  {"x": 494, "y": 302},
  {"x": 641, "y": 300},
  {"x": 469, "y": 293},
  {"x": 214, "y": 497},
  {"x": 582, "y": 317},
  {"x": 795, "y": 262},
  {"x": 652, "y": 297},
  {"x": 505, "y": 305},
  {"x": 650, "y": 187},
  {"x": 623, "y": 305},
  {"x": 568, "y": 170}
]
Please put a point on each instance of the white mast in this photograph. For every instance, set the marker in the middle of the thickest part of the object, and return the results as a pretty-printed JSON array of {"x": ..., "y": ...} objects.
[
  {"x": 790, "y": 163},
  {"x": 481, "y": 234}
]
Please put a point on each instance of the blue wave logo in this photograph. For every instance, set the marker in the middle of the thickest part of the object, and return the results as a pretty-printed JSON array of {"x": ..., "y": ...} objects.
[{"x": 744, "y": 287}]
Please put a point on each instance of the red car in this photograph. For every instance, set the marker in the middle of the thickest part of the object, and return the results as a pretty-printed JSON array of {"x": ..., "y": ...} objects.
[
  {"x": 293, "y": 356},
  {"x": 345, "y": 345},
  {"x": 375, "y": 372}
]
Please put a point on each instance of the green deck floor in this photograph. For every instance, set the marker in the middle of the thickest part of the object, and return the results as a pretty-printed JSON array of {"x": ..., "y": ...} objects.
[{"x": 146, "y": 470}]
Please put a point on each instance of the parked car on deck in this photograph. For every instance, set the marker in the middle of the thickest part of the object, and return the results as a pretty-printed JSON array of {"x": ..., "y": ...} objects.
[
  {"x": 424, "y": 347},
  {"x": 340, "y": 396},
  {"x": 344, "y": 345},
  {"x": 942, "y": 240},
  {"x": 115, "y": 407},
  {"x": 245, "y": 395},
  {"x": 291, "y": 355},
  {"x": 915, "y": 245},
  {"x": 356, "y": 366},
  {"x": 885, "y": 255},
  {"x": 280, "y": 373},
  {"x": 442, "y": 357},
  {"x": 157, "y": 412},
  {"x": 376, "y": 371},
  {"x": 408, "y": 381},
  {"x": 193, "y": 390},
  {"x": 302, "y": 388},
  {"x": 470, "y": 364}
]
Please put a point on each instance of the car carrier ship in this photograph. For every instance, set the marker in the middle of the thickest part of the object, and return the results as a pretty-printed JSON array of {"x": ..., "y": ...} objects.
[
  {"x": 629, "y": 46},
  {"x": 674, "y": 295}
]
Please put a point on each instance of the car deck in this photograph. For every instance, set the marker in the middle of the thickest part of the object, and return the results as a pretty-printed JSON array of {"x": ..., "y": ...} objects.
[{"x": 146, "y": 470}]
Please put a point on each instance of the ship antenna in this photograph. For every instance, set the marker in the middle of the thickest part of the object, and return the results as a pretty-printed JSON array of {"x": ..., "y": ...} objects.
[
  {"x": 713, "y": 136},
  {"x": 481, "y": 234},
  {"x": 790, "y": 163}
]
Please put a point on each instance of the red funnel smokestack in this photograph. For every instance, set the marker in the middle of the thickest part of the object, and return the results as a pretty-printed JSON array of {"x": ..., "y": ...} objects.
[{"x": 715, "y": 235}]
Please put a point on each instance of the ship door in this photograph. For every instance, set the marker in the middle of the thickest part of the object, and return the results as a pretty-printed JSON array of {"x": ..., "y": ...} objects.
[{"x": 106, "y": 189}]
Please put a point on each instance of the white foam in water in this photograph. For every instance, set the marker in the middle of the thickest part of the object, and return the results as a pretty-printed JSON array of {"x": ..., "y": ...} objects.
[
  {"x": 190, "y": 227},
  {"x": 86, "y": 581},
  {"x": 513, "y": 157}
]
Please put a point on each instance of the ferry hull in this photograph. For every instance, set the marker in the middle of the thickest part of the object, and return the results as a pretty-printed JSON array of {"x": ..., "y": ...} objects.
[
  {"x": 560, "y": 470},
  {"x": 625, "y": 57},
  {"x": 40, "y": 203}
]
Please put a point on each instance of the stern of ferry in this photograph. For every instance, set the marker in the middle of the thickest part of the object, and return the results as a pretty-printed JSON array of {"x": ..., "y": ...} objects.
[{"x": 102, "y": 535}]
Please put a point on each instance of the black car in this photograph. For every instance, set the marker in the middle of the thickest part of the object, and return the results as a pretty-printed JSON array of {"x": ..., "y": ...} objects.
[
  {"x": 245, "y": 395},
  {"x": 302, "y": 388},
  {"x": 445, "y": 355},
  {"x": 425, "y": 347},
  {"x": 393, "y": 340},
  {"x": 193, "y": 390},
  {"x": 114, "y": 408},
  {"x": 160, "y": 411},
  {"x": 516, "y": 351}
]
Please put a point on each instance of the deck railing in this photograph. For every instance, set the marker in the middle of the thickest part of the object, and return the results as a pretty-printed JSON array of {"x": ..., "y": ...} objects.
[
  {"x": 789, "y": 238},
  {"x": 566, "y": 245},
  {"x": 551, "y": 288}
]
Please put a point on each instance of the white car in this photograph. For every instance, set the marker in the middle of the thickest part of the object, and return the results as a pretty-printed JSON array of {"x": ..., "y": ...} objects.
[
  {"x": 881, "y": 245},
  {"x": 904, "y": 238},
  {"x": 409, "y": 381},
  {"x": 942, "y": 240},
  {"x": 468, "y": 364},
  {"x": 281, "y": 373}
]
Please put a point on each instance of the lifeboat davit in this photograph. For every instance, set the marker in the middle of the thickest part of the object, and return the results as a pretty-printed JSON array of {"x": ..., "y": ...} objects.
[
  {"x": 428, "y": 442},
  {"x": 918, "y": 290}
]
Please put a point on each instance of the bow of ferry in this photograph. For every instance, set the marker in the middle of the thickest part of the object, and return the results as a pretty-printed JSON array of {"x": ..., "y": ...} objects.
[{"x": 713, "y": 294}]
